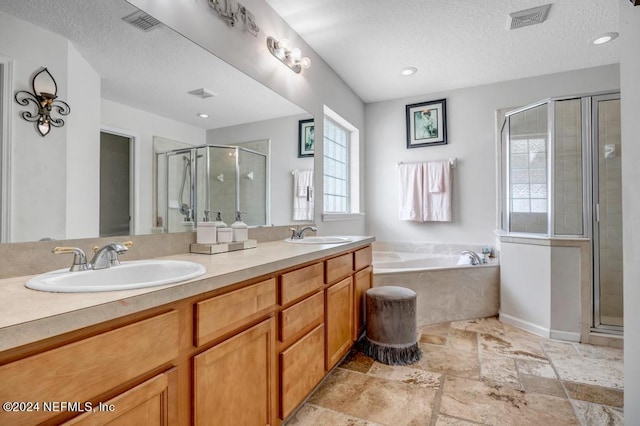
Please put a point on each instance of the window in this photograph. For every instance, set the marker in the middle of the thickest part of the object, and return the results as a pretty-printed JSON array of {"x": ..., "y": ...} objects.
[{"x": 341, "y": 192}]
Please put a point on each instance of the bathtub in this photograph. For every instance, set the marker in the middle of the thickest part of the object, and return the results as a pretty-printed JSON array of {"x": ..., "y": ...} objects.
[{"x": 447, "y": 290}]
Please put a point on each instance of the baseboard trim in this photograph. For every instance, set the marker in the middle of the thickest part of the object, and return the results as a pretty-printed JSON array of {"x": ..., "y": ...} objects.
[
  {"x": 525, "y": 325},
  {"x": 567, "y": 336}
]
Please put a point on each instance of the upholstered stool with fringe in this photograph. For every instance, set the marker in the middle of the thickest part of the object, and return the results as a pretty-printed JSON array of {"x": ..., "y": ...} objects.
[{"x": 391, "y": 336}]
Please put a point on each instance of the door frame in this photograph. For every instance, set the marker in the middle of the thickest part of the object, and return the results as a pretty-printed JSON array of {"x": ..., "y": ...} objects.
[
  {"x": 6, "y": 77},
  {"x": 134, "y": 179},
  {"x": 596, "y": 325}
]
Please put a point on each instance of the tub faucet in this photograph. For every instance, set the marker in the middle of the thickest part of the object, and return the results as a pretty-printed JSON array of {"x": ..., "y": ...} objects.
[
  {"x": 475, "y": 259},
  {"x": 107, "y": 256},
  {"x": 298, "y": 235}
]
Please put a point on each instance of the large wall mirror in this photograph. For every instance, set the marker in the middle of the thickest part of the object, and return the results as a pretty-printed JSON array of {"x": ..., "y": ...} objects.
[{"x": 136, "y": 88}]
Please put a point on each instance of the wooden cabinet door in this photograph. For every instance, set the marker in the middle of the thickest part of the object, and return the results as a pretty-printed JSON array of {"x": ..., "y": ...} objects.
[
  {"x": 150, "y": 403},
  {"x": 339, "y": 320},
  {"x": 361, "y": 283},
  {"x": 301, "y": 369},
  {"x": 234, "y": 381}
]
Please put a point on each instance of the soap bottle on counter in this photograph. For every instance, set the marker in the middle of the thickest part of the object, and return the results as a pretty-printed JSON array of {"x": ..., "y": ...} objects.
[
  {"x": 224, "y": 233},
  {"x": 240, "y": 229},
  {"x": 206, "y": 230}
]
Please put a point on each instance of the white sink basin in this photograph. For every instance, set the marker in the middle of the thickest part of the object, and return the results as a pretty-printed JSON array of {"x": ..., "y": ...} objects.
[
  {"x": 127, "y": 276},
  {"x": 319, "y": 240}
]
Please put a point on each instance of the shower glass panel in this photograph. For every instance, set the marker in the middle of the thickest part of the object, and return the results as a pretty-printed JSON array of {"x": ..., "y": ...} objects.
[
  {"x": 608, "y": 309},
  {"x": 252, "y": 167},
  {"x": 568, "y": 161},
  {"x": 527, "y": 187},
  {"x": 223, "y": 180},
  {"x": 178, "y": 195}
]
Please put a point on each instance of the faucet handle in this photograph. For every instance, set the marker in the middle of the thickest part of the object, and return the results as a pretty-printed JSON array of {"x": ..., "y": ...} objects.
[
  {"x": 79, "y": 258},
  {"x": 126, "y": 244}
]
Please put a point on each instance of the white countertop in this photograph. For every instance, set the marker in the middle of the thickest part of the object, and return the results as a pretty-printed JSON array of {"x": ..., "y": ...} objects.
[{"x": 27, "y": 315}]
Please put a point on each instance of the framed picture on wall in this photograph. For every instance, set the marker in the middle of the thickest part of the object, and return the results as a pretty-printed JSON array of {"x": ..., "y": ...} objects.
[
  {"x": 427, "y": 123},
  {"x": 306, "y": 138}
]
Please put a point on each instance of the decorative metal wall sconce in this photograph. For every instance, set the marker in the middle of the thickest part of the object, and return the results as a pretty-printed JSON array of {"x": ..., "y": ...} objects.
[
  {"x": 232, "y": 11},
  {"x": 44, "y": 96},
  {"x": 290, "y": 57}
]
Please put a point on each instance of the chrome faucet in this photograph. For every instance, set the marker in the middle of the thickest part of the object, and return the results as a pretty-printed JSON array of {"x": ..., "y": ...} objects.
[
  {"x": 107, "y": 256},
  {"x": 475, "y": 259},
  {"x": 298, "y": 235}
]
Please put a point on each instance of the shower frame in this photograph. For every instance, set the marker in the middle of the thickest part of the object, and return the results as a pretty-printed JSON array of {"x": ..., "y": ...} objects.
[
  {"x": 589, "y": 174},
  {"x": 192, "y": 151}
]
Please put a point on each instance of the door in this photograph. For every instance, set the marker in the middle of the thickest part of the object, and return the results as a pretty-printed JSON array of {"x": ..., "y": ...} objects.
[
  {"x": 607, "y": 217},
  {"x": 115, "y": 184}
]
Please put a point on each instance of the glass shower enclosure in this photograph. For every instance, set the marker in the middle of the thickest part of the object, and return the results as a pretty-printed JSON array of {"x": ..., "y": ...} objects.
[
  {"x": 198, "y": 182},
  {"x": 560, "y": 179}
]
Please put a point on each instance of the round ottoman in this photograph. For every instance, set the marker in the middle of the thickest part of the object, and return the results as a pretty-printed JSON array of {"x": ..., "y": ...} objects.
[{"x": 392, "y": 336}]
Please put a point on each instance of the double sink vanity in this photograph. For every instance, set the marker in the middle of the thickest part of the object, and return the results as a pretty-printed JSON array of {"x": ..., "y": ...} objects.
[{"x": 243, "y": 343}]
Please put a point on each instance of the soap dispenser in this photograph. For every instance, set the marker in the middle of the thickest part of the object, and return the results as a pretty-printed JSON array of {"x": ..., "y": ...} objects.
[
  {"x": 206, "y": 230},
  {"x": 240, "y": 229},
  {"x": 225, "y": 234}
]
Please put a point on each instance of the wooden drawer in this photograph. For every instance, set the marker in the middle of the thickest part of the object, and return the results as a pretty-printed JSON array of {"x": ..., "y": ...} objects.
[
  {"x": 301, "y": 282},
  {"x": 301, "y": 369},
  {"x": 223, "y": 314},
  {"x": 85, "y": 369},
  {"x": 362, "y": 258},
  {"x": 339, "y": 267},
  {"x": 301, "y": 316}
]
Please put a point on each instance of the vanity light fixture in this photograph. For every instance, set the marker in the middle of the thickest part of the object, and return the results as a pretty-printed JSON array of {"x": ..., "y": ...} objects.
[
  {"x": 232, "y": 12},
  {"x": 290, "y": 57},
  {"x": 45, "y": 92},
  {"x": 406, "y": 71},
  {"x": 604, "y": 38}
]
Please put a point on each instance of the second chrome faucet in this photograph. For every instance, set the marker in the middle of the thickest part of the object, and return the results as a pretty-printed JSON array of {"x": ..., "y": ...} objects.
[{"x": 105, "y": 256}]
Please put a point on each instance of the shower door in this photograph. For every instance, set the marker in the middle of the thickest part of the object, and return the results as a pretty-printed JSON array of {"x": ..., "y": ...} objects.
[{"x": 607, "y": 217}]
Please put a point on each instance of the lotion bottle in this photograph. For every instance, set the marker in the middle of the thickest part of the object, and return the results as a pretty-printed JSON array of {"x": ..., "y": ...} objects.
[
  {"x": 240, "y": 229},
  {"x": 206, "y": 230},
  {"x": 223, "y": 231}
]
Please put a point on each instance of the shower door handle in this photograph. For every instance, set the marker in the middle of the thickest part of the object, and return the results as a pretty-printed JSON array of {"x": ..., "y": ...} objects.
[{"x": 597, "y": 212}]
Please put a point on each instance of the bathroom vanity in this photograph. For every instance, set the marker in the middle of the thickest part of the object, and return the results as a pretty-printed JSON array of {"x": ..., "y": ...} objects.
[{"x": 243, "y": 344}]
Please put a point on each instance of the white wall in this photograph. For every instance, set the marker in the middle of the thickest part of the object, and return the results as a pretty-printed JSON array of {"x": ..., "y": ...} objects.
[
  {"x": 83, "y": 148},
  {"x": 283, "y": 133},
  {"x": 143, "y": 126},
  {"x": 525, "y": 286},
  {"x": 630, "y": 86},
  {"x": 311, "y": 90},
  {"x": 566, "y": 316},
  {"x": 38, "y": 209},
  {"x": 472, "y": 140}
]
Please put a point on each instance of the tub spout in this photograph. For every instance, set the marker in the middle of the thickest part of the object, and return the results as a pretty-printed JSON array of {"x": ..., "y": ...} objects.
[{"x": 475, "y": 259}]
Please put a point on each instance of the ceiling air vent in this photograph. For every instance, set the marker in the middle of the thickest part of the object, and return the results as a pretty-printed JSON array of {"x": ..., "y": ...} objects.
[
  {"x": 203, "y": 93},
  {"x": 142, "y": 21},
  {"x": 524, "y": 18}
]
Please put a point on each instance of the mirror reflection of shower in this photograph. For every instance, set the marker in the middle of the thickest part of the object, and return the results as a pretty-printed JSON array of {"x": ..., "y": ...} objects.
[
  {"x": 185, "y": 208},
  {"x": 210, "y": 178}
]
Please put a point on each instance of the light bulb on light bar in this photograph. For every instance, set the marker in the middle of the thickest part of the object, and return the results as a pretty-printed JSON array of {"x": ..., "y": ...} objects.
[
  {"x": 290, "y": 57},
  {"x": 305, "y": 63}
]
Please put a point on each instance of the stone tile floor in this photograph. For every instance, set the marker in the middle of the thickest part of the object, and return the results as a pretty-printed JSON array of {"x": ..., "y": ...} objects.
[{"x": 475, "y": 372}]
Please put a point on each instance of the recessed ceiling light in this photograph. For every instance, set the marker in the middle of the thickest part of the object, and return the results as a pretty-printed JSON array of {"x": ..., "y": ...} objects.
[
  {"x": 604, "y": 38},
  {"x": 409, "y": 70},
  {"x": 202, "y": 115}
]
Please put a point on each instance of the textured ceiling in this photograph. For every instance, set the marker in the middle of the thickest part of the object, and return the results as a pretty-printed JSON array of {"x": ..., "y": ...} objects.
[
  {"x": 154, "y": 70},
  {"x": 453, "y": 43}
]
